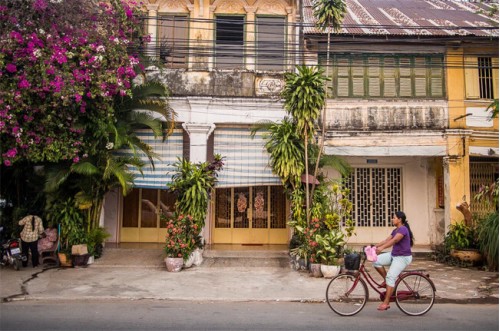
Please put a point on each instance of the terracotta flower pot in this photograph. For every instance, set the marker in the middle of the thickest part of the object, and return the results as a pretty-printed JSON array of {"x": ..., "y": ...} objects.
[
  {"x": 469, "y": 255},
  {"x": 174, "y": 264}
]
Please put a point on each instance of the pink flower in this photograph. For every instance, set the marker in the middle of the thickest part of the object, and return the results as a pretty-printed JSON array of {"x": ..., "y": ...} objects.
[
  {"x": 7, "y": 163},
  {"x": 23, "y": 84},
  {"x": 76, "y": 159},
  {"x": 11, "y": 67},
  {"x": 11, "y": 153},
  {"x": 17, "y": 36},
  {"x": 40, "y": 5}
]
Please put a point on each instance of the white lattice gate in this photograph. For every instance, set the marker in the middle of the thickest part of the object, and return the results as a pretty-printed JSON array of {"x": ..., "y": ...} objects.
[{"x": 376, "y": 193}]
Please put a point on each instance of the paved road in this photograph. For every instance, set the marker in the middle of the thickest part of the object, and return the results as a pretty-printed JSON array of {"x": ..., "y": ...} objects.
[{"x": 186, "y": 315}]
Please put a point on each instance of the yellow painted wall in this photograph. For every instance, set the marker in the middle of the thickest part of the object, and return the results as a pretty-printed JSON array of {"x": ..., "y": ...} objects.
[{"x": 460, "y": 137}]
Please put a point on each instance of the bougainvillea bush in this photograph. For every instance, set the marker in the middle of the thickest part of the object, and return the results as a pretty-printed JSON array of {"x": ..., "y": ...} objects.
[{"x": 62, "y": 63}]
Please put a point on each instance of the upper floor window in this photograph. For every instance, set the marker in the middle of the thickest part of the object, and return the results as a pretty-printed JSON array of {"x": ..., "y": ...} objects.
[
  {"x": 270, "y": 43},
  {"x": 229, "y": 42},
  {"x": 387, "y": 76},
  {"x": 481, "y": 77},
  {"x": 172, "y": 41}
]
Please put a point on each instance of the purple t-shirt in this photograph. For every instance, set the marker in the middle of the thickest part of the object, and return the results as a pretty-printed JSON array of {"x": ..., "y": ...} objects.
[{"x": 402, "y": 247}]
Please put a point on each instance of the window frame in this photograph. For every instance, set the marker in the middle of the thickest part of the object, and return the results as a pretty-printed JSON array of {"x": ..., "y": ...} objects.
[
  {"x": 472, "y": 77},
  {"x": 229, "y": 66},
  {"x": 271, "y": 67},
  {"x": 169, "y": 63},
  {"x": 398, "y": 87}
]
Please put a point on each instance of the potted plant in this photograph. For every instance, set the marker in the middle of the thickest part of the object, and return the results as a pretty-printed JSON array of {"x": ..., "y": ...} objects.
[
  {"x": 182, "y": 238},
  {"x": 461, "y": 243},
  {"x": 330, "y": 249},
  {"x": 70, "y": 220},
  {"x": 95, "y": 241}
]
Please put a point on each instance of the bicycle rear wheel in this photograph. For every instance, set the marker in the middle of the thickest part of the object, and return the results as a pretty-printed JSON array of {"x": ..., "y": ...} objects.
[
  {"x": 346, "y": 294},
  {"x": 415, "y": 294}
]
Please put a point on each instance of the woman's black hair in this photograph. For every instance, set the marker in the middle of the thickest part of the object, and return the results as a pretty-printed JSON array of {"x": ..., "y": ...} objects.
[
  {"x": 402, "y": 216},
  {"x": 33, "y": 223}
]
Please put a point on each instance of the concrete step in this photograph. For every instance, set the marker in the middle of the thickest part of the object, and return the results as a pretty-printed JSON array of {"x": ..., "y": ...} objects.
[{"x": 247, "y": 262}]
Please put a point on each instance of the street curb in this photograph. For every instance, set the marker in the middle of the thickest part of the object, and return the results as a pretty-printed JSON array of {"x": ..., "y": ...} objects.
[{"x": 110, "y": 298}]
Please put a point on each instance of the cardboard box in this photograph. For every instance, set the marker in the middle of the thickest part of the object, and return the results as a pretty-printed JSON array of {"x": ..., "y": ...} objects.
[{"x": 79, "y": 249}]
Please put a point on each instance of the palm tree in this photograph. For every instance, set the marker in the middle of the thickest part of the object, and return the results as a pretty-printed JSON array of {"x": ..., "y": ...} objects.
[
  {"x": 286, "y": 149},
  {"x": 493, "y": 107},
  {"x": 304, "y": 95},
  {"x": 329, "y": 15},
  {"x": 93, "y": 177}
]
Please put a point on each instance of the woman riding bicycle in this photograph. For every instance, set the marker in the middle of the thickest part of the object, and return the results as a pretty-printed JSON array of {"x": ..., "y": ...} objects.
[{"x": 401, "y": 240}]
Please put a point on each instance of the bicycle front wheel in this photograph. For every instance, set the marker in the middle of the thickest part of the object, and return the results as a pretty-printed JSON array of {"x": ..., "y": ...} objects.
[
  {"x": 346, "y": 294},
  {"x": 415, "y": 294}
]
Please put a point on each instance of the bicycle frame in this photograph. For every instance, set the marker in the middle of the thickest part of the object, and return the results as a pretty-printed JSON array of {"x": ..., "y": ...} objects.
[{"x": 376, "y": 286}]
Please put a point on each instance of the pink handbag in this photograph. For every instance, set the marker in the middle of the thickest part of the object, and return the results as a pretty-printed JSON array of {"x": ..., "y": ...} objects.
[{"x": 371, "y": 253}]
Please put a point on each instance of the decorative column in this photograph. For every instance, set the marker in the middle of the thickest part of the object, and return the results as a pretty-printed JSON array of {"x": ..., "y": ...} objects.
[
  {"x": 198, "y": 136},
  {"x": 152, "y": 28}
]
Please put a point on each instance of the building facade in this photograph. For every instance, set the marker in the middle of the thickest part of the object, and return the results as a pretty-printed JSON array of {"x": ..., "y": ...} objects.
[
  {"x": 404, "y": 82},
  {"x": 411, "y": 82}
]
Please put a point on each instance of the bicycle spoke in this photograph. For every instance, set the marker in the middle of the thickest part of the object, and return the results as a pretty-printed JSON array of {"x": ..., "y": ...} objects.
[
  {"x": 346, "y": 295},
  {"x": 414, "y": 294}
]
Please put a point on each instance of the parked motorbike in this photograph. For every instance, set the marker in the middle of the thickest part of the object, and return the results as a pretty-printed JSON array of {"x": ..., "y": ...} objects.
[{"x": 11, "y": 252}]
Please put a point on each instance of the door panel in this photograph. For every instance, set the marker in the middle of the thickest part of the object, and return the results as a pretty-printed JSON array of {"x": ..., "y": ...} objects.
[
  {"x": 141, "y": 215},
  {"x": 250, "y": 215}
]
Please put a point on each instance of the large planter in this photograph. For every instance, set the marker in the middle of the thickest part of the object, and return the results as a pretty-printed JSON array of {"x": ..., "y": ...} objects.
[
  {"x": 64, "y": 260},
  {"x": 195, "y": 259},
  {"x": 80, "y": 260},
  {"x": 174, "y": 264},
  {"x": 315, "y": 269},
  {"x": 467, "y": 255},
  {"x": 330, "y": 271}
]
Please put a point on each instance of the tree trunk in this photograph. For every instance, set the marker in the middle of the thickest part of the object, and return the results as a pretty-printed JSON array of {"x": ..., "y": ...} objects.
[
  {"x": 323, "y": 117},
  {"x": 307, "y": 176}
]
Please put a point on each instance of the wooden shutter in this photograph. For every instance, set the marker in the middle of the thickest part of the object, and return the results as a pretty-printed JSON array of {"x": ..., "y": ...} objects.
[
  {"x": 437, "y": 77},
  {"x": 173, "y": 40},
  {"x": 420, "y": 70},
  {"x": 471, "y": 77},
  {"x": 374, "y": 77},
  {"x": 405, "y": 77},
  {"x": 358, "y": 77},
  {"x": 494, "y": 64},
  {"x": 389, "y": 73},
  {"x": 270, "y": 43},
  {"x": 342, "y": 77}
]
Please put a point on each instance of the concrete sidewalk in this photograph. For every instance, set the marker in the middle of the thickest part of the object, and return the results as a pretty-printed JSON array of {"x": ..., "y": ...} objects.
[{"x": 141, "y": 274}]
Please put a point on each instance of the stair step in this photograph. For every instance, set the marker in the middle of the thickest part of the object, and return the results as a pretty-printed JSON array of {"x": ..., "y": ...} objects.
[{"x": 222, "y": 262}]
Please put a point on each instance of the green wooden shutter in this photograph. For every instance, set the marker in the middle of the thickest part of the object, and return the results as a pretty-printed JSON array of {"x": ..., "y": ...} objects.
[
  {"x": 389, "y": 74},
  {"x": 405, "y": 89},
  {"x": 342, "y": 77},
  {"x": 374, "y": 77},
  {"x": 358, "y": 77},
  {"x": 420, "y": 70},
  {"x": 437, "y": 77}
]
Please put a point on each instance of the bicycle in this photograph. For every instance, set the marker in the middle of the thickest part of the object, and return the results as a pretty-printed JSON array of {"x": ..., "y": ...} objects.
[{"x": 347, "y": 293}]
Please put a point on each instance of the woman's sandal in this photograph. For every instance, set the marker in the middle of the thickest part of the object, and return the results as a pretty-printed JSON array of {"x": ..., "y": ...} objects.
[{"x": 383, "y": 307}]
